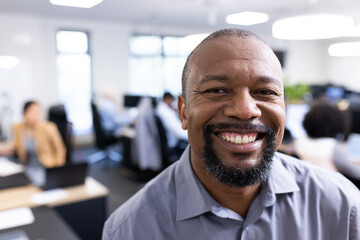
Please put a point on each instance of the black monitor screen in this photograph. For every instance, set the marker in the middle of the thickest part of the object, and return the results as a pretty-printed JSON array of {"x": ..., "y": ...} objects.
[
  {"x": 355, "y": 121},
  {"x": 133, "y": 100}
]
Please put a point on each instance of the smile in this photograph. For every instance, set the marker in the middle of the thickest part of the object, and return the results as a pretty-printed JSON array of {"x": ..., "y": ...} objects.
[{"x": 238, "y": 138}]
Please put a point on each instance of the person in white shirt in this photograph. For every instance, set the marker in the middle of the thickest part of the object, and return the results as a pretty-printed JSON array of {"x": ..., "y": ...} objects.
[
  {"x": 176, "y": 136},
  {"x": 112, "y": 120}
]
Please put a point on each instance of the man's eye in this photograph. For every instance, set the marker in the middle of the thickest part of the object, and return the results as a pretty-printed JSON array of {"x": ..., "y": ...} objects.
[
  {"x": 266, "y": 92},
  {"x": 215, "y": 90}
]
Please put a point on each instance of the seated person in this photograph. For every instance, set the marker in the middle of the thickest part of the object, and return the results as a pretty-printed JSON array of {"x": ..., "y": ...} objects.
[
  {"x": 37, "y": 143},
  {"x": 112, "y": 120},
  {"x": 325, "y": 125},
  {"x": 176, "y": 136}
]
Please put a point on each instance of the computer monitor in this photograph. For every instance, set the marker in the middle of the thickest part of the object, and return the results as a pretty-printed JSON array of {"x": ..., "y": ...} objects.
[
  {"x": 355, "y": 123},
  {"x": 295, "y": 114},
  {"x": 131, "y": 101},
  {"x": 335, "y": 93}
]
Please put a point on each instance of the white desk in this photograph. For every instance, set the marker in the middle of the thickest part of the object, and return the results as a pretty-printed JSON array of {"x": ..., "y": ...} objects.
[
  {"x": 21, "y": 196},
  {"x": 83, "y": 208}
]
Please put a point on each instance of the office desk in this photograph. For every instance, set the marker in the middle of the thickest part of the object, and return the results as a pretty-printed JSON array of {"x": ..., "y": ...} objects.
[
  {"x": 84, "y": 209},
  {"x": 47, "y": 225}
]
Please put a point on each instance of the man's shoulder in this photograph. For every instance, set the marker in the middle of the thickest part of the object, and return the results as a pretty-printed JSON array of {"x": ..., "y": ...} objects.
[
  {"x": 315, "y": 180},
  {"x": 156, "y": 200}
]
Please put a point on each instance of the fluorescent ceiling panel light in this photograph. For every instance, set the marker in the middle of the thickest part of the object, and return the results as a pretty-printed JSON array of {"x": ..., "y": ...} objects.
[
  {"x": 345, "y": 49},
  {"x": 316, "y": 26},
  {"x": 8, "y": 62},
  {"x": 247, "y": 18},
  {"x": 76, "y": 3}
]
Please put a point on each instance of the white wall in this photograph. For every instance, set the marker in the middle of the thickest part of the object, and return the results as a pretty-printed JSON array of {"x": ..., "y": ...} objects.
[
  {"x": 344, "y": 70},
  {"x": 305, "y": 62}
]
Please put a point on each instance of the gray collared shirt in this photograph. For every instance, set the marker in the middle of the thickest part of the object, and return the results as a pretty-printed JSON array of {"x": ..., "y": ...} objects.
[{"x": 298, "y": 201}]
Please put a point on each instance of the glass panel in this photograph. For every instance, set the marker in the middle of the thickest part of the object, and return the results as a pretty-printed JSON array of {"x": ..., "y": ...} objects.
[
  {"x": 75, "y": 89},
  {"x": 182, "y": 46},
  {"x": 71, "y": 42},
  {"x": 156, "y": 63},
  {"x": 145, "y": 75},
  {"x": 145, "y": 45},
  {"x": 172, "y": 73}
]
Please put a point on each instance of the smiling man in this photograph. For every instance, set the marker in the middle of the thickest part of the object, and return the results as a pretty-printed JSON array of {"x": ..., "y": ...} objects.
[{"x": 230, "y": 183}]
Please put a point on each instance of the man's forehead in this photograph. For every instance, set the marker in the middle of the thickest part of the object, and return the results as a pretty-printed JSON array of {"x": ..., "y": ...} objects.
[
  {"x": 223, "y": 49},
  {"x": 231, "y": 46}
]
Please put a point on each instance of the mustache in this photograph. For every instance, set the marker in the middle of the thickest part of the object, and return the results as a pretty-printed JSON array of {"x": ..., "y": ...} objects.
[{"x": 208, "y": 128}]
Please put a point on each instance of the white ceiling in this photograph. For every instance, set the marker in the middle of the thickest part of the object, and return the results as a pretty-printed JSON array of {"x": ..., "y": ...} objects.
[{"x": 182, "y": 13}]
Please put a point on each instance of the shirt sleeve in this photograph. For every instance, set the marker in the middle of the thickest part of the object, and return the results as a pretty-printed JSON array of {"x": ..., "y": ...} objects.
[{"x": 355, "y": 223}]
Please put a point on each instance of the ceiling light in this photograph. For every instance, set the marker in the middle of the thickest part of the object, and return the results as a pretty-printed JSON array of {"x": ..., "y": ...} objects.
[
  {"x": 8, "y": 62},
  {"x": 345, "y": 49},
  {"x": 76, "y": 3},
  {"x": 316, "y": 26},
  {"x": 247, "y": 18}
]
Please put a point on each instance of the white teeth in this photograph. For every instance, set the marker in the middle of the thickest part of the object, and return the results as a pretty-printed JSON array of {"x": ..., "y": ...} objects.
[{"x": 239, "y": 140}]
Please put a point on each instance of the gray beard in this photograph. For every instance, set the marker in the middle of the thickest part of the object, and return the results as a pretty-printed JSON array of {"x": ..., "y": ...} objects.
[{"x": 238, "y": 177}]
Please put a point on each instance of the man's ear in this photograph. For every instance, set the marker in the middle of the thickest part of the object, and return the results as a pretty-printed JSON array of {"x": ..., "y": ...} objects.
[{"x": 182, "y": 111}]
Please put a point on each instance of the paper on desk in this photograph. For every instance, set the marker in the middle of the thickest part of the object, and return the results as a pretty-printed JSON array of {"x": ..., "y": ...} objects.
[
  {"x": 16, "y": 217},
  {"x": 9, "y": 168},
  {"x": 49, "y": 196}
]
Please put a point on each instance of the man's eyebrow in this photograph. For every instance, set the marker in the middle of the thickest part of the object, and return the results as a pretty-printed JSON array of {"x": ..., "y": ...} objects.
[
  {"x": 266, "y": 79},
  {"x": 220, "y": 77}
]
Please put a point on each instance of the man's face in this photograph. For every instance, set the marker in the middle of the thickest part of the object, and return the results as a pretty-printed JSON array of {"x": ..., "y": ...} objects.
[{"x": 234, "y": 109}]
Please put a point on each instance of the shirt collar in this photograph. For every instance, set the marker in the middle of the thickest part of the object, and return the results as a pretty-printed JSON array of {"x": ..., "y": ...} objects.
[
  {"x": 280, "y": 178},
  {"x": 190, "y": 193},
  {"x": 192, "y": 199}
]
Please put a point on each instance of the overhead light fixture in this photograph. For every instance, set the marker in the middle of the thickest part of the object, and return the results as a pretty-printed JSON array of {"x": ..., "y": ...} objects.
[
  {"x": 316, "y": 26},
  {"x": 8, "y": 62},
  {"x": 76, "y": 3},
  {"x": 344, "y": 49},
  {"x": 247, "y": 18}
]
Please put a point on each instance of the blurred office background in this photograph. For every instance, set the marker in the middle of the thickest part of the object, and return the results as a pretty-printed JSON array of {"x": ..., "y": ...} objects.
[{"x": 67, "y": 55}]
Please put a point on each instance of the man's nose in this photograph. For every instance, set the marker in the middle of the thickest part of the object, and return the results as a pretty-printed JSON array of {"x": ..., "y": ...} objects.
[{"x": 242, "y": 106}]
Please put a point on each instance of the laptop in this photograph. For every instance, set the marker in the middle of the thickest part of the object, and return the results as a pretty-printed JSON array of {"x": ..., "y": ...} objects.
[
  {"x": 14, "y": 180},
  {"x": 65, "y": 176}
]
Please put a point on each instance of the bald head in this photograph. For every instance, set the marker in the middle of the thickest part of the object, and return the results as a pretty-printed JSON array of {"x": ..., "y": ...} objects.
[{"x": 240, "y": 33}]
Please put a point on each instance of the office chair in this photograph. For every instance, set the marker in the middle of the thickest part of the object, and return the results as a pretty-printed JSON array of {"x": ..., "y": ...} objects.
[
  {"x": 103, "y": 140},
  {"x": 57, "y": 114},
  {"x": 164, "y": 148}
]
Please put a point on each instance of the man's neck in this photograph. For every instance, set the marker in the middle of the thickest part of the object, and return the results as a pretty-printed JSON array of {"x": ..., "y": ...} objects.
[{"x": 237, "y": 199}]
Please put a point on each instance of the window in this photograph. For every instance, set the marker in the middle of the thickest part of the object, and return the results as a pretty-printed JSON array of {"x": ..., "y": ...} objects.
[
  {"x": 73, "y": 63},
  {"x": 156, "y": 63}
]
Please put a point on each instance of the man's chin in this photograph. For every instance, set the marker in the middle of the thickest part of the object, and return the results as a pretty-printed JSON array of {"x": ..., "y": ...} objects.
[
  {"x": 241, "y": 169},
  {"x": 240, "y": 161}
]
